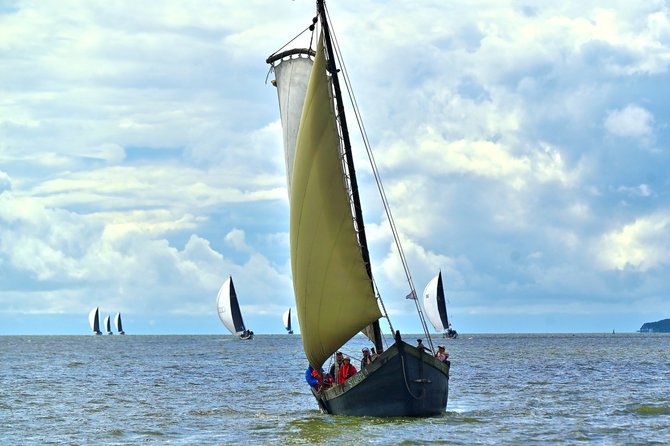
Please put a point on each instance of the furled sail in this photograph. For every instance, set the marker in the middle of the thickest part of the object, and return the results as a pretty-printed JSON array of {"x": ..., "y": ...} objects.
[
  {"x": 435, "y": 305},
  {"x": 291, "y": 77},
  {"x": 229, "y": 308},
  {"x": 333, "y": 291}
]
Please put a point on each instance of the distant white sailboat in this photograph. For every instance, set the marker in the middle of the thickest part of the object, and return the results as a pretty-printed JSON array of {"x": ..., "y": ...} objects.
[
  {"x": 286, "y": 318},
  {"x": 118, "y": 325},
  {"x": 94, "y": 321},
  {"x": 229, "y": 310},
  {"x": 435, "y": 307},
  {"x": 108, "y": 325}
]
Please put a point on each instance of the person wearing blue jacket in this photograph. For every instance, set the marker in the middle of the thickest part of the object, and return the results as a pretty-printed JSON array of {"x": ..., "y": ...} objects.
[{"x": 313, "y": 377}]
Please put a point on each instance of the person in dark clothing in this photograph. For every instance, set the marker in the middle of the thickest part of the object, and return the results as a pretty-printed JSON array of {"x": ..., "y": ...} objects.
[
  {"x": 335, "y": 368},
  {"x": 420, "y": 346},
  {"x": 367, "y": 359}
]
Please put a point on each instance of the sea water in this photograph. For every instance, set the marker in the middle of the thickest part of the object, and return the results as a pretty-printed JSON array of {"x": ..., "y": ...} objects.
[{"x": 601, "y": 389}]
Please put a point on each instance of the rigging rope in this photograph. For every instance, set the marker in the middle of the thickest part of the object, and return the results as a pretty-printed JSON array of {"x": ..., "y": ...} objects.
[
  {"x": 380, "y": 187},
  {"x": 404, "y": 375},
  {"x": 311, "y": 40},
  {"x": 309, "y": 28}
]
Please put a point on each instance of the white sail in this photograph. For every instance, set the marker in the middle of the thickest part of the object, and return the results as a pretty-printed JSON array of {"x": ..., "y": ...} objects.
[
  {"x": 292, "y": 76},
  {"x": 435, "y": 305},
  {"x": 94, "y": 320},
  {"x": 118, "y": 324},
  {"x": 228, "y": 308}
]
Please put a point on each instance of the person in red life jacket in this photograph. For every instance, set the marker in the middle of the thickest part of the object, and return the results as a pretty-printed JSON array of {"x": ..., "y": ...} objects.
[{"x": 347, "y": 370}]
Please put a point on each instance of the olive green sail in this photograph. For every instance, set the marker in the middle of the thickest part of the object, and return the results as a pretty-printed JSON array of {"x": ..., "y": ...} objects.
[{"x": 333, "y": 291}]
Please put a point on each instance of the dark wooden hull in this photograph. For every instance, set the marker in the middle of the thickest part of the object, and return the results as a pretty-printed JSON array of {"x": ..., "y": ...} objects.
[{"x": 401, "y": 382}]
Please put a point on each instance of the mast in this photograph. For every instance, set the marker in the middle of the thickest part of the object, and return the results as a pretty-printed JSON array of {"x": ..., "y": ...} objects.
[{"x": 341, "y": 118}]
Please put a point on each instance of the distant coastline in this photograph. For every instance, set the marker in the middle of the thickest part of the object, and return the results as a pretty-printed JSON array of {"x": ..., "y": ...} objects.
[{"x": 662, "y": 326}]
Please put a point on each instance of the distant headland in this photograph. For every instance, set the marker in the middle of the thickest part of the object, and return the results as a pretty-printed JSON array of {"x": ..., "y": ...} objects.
[{"x": 662, "y": 326}]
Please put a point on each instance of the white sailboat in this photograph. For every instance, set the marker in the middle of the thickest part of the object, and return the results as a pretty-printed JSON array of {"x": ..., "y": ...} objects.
[
  {"x": 229, "y": 310},
  {"x": 286, "y": 318},
  {"x": 94, "y": 321},
  {"x": 435, "y": 307},
  {"x": 108, "y": 325},
  {"x": 336, "y": 296},
  {"x": 118, "y": 324}
]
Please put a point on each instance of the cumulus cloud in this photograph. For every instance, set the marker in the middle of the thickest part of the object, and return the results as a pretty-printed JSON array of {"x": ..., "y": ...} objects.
[
  {"x": 132, "y": 267},
  {"x": 142, "y": 161},
  {"x": 641, "y": 245},
  {"x": 236, "y": 239},
  {"x": 631, "y": 121}
]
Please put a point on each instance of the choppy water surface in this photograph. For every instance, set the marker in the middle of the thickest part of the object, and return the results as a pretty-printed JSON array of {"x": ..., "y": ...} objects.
[{"x": 215, "y": 390}]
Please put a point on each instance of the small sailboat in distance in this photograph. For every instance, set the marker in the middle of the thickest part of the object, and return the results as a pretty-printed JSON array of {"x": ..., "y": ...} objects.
[
  {"x": 286, "y": 318},
  {"x": 108, "y": 325},
  {"x": 435, "y": 307},
  {"x": 94, "y": 321},
  {"x": 118, "y": 324},
  {"x": 229, "y": 310}
]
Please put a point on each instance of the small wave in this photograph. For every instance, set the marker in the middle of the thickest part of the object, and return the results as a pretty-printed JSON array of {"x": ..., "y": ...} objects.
[
  {"x": 468, "y": 420},
  {"x": 151, "y": 433},
  {"x": 649, "y": 410},
  {"x": 75, "y": 364},
  {"x": 203, "y": 412}
]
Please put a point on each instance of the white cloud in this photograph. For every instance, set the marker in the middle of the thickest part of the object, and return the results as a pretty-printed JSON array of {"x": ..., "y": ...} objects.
[
  {"x": 236, "y": 239},
  {"x": 641, "y": 245},
  {"x": 643, "y": 190},
  {"x": 141, "y": 158},
  {"x": 121, "y": 264},
  {"x": 632, "y": 121}
]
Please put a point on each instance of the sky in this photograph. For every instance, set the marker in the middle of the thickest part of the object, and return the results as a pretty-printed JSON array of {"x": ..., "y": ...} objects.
[{"x": 523, "y": 147}]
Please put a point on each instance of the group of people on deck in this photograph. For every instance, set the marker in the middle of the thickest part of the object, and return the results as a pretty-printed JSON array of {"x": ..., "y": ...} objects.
[
  {"x": 441, "y": 354},
  {"x": 341, "y": 370}
]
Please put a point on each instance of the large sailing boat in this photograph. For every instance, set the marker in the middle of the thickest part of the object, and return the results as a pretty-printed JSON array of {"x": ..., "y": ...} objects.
[
  {"x": 229, "y": 310},
  {"x": 435, "y": 307},
  {"x": 335, "y": 293}
]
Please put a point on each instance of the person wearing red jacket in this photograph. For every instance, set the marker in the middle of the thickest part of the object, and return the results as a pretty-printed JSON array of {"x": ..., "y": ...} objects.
[{"x": 347, "y": 370}]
